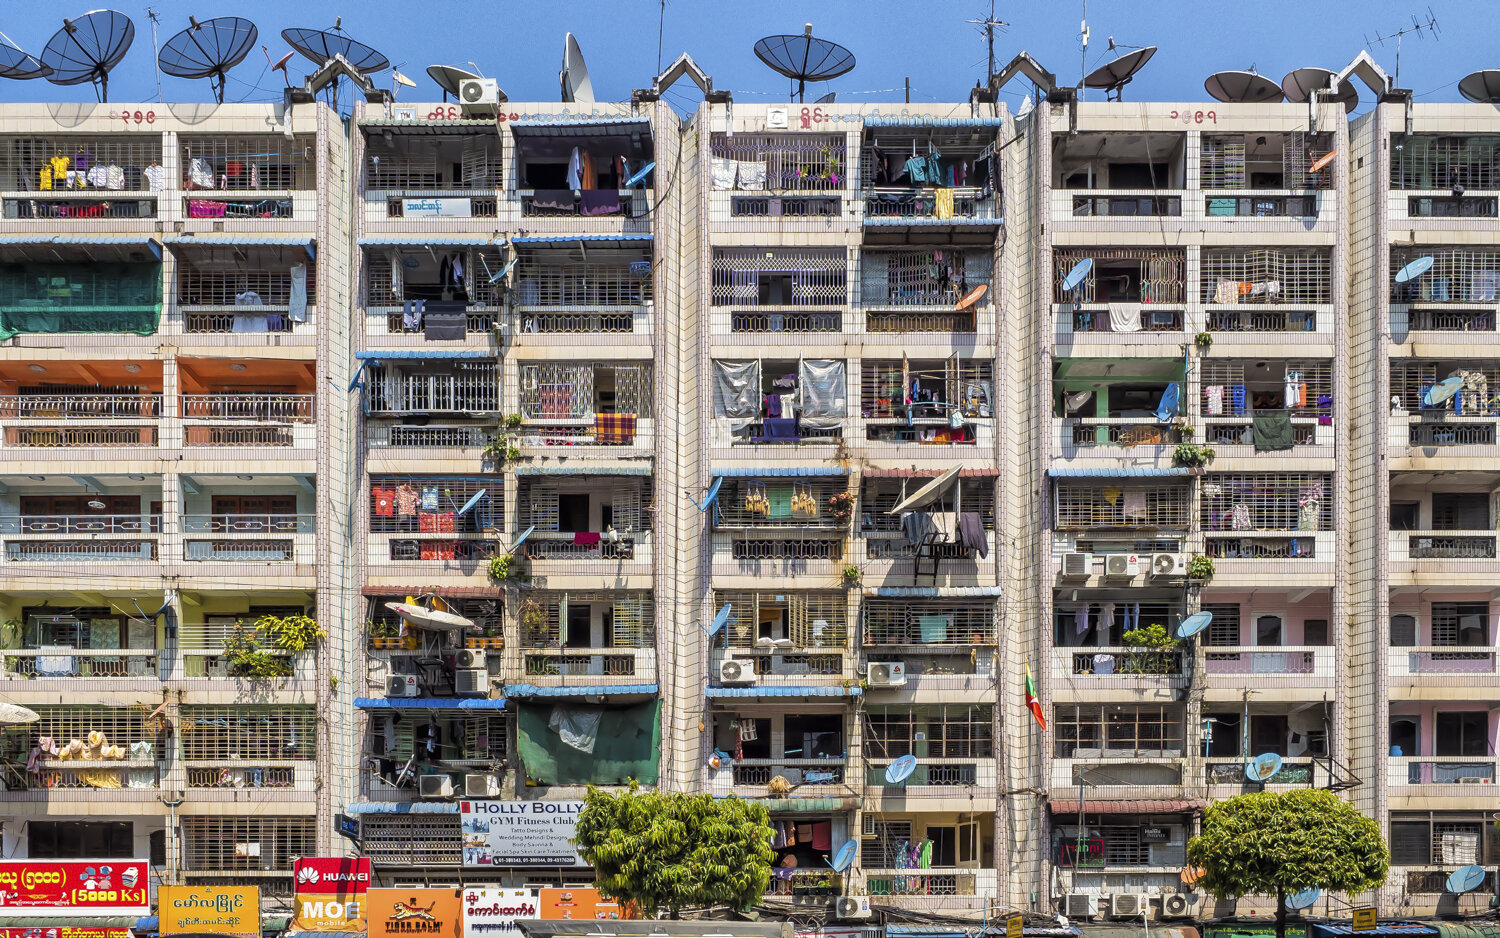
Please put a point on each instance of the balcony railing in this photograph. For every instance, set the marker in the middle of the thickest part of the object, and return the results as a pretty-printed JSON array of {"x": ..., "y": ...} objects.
[
  {"x": 594, "y": 203},
  {"x": 928, "y": 882},
  {"x": 92, "y": 776},
  {"x": 205, "y": 319},
  {"x": 561, "y": 546},
  {"x": 1126, "y": 204},
  {"x": 1442, "y": 770},
  {"x": 1145, "y": 318},
  {"x": 903, "y": 321},
  {"x": 1231, "y": 431},
  {"x": 1459, "y": 431},
  {"x": 280, "y": 408},
  {"x": 1260, "y": 206},
  {"x": 248, "y": 524},
  {"x": 1284, "y": 660},
  {"x": 796, "y": 771},
  {"x": 60, "y": 661},
  {"x": 1122, "y": 431},
  {"x": 1451, "y": 206},
  {"x": 232, "y": 549},
  {"x": 1447, "y": 545},
  {"x": 122, "y": 550},
  {"x": 237, "y": 209},
  {"x": 217, "y": 775},
  {"x": 1232, "y": 772},
  {"x": 1262, "y": 320},
  {"x": 1451, "y": 320},
  {"x": 1123, "y": 662},
  {"x": 85, "y": 437},
  {"x": 590, "y": 662},
  {"x": 406, "y": 549},
  {"x": 896, "y": 203},
  {"x": 929, "y": 772},
  {"x": 1436, "y": 660},
  {"x": 80, "y": 524},
  {"x": 785, "y": 206},
  {"x": 89, "y": 207},
  {"x": 810, "y": 883},
  {"x": 90, "y": 406},
  {"x": 1289, "y": 546},
  {"x": 786, "y": 320}
]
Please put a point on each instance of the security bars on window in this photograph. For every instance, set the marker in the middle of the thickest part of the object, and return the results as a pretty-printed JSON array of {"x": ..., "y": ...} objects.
[
  {"x": 945, "y": 731},
  {"x": 791, "y": 162},
  {"x": 1264, "y": 501},
  {"x": 224, "y": 843},
  {"x": 26, "y": 163},
  {"x": 1229, "y": 375},
  {"x": 1091, "y": 731},
  {"x": 1429, "y": 161},
  {"x": 806, "y": 619},
  {"x": 1160, "y": 274},
  {"x": 450, "y": 495},
  {"x": 929, "y": 622},
  {"x": 573, "y": 390},
  {"x": 247, "y": 733},
  {"x": 462, "y": 387},
  {"x": 632, "y": 617},
  {"x": 779, "y": 277},
  {"x": 627, "y": 497},
  {"x": 1080, "y": 506},
  {"x": 1457, "y": 275},
  {"x": 246, "y": 162},
  {"x": 1266, "y": 275}
]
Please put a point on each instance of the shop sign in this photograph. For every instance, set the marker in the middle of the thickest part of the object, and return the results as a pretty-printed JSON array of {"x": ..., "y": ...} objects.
[
  {"x": 1155, "y": 835},
  {"x": 520, "y": 833},
  {"x": 81, "y": 885},
  {"x": 435, "y": 208},
  {"x": 330, "y": 893},
  {"x": 577, "y": 904},
  {"x": 493, "y": 913},
  {"x": 401, "y": 913},
  {"x": 66, "y": 931},
  {"x": 220, "y": 910}
]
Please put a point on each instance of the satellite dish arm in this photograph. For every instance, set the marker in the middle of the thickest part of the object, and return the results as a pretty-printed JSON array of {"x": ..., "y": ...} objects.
[
  {"x": 1024, "y": 64},
  {"x": 1370, "y": 73}
]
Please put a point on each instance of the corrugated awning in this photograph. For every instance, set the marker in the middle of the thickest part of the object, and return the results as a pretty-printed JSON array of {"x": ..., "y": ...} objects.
[
  {"x": 420, "y": 126},
  {"x": 430, "y": 703},
  {"x": 218, "y": 238},
  {"x": 926, "y": 473},
  {"x": 1119, "y": 472},
  {"x": 582, "y": 127},
  {"x": 1161, "y": 806},
  {"x": 1467, "y": 929},
  {"x": 397, "y": 353},
  {"x": 785, "y": 690},
  {"x": 138, "y": 240},
  {"x": 1408, "y": 929},
  {"x": 589, "y": 690},
  {"x": 417, "y": 240},
  {"x": 932, "y": 592},
  {"x": 766, "y": 472},
  {"x": 593, "y": 470},
  {"x": 401, "y": 807},
  {"x": 569, "y": 239},
  {"x": 916, "y": 120}
]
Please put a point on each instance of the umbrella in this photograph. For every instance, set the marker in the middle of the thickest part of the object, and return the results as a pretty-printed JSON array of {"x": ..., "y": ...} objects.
[{"x": 15, "y": 714}]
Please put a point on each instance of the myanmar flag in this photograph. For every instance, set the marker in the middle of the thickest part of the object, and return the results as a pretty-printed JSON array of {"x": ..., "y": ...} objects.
[{"x": 1032, "y": 704}]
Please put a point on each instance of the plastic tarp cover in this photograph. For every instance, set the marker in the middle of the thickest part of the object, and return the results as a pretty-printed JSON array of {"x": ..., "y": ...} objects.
[
  {"x": 822, "y": 393},
  {"x": 627, "y": 746},
  {"x": 737, "y": 389},
  {"x": 87, "y": 297},
  {"x": 576, "y": 726}
]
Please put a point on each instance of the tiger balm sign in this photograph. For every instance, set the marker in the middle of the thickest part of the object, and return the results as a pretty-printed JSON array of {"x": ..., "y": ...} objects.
[{"x": 403, "y": 913}]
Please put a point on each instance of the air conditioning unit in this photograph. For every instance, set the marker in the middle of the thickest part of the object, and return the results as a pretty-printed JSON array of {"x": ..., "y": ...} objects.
[
  {"x": 850, "y": 907},
  {"x": 886, "y": 673},
  {"x": 1126, "y": 905},
  {"x": 434, "y": 786},
  {"x": 479, "y": 96},
  {"x": 481, "y": 786},
  {"x": 1168, "y": 565},
  {"x": 1121, "y": 566},
  {"x": 473, "y": 681},
  {"x": 1176, "y": 905},
  {"x": 402, "y": 685},
  {"x": 1078, "y": 565},
  {"x": 1081, "y": 905},
  {"x": 735, "y": 671},
  {"x": 469, "y": 658}
]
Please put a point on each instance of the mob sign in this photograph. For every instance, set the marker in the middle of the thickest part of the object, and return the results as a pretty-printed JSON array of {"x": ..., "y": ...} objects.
[
  {"x": 520, "y": 833},
  {"x": 220, "y": 910},
  {"x": 330, "y": 893}
]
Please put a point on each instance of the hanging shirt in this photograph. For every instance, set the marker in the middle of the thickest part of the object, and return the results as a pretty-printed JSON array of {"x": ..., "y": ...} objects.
[
  {"x": 406, "y": 500},
  {"x": 429, "y": 498}
]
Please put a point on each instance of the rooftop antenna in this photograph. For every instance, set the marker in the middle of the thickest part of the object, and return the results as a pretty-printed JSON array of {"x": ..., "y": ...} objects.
[
  {"x": 208, "y": 49},
  {"x": 661, "y": 26},
  {"x": 804, "y": 58},
  {"x": 87, "y": 47},
  {"x": 152, "y": 15},
  {"x": 1417, "y": 26},
  {"x": 1083, "y": 33},
  {"x": 987, "y": 27},
  {"x": 19, "y": 65}
]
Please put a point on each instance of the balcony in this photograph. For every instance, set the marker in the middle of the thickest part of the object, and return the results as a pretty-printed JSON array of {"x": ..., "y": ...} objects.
[
  {"x": 1442, "y": 545},
  {"x": 1118, "y": 204},
  {"x": 1138, "y": 438},
  {"x": 576, "y": 170},
  {"x": 809, "y": 778},
  {"x": 1116, "y": 667},
  {"x": 1456, "y": 775},
  {"x": 259, "y": 289},
  {"x": 817, "y": 885},
  {"x": 241, "y": 181},
  {"x": 930, "y": 886},
  {"x": 1233, "y": 665},
  {"x": 636, "y": 664},
  {"x": 1242, "y": 204},
  {"x": 85, "y": 206},
  {"x": 85, "y": 182},
  {"x": 1118, "y": 175},
  {"x": 1441, "y": 662},
  {"x": 61, "y": 661},
  {"x": 452, "y": 170},
  {"x": 934, "y": 777},
  {"x": 1226, "y": 773},
  {"x": 248, "y": 420}
]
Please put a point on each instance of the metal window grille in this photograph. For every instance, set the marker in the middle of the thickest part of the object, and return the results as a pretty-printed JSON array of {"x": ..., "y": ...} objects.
[
  {"x": 1458, "y": 275},
  {"x": 578, "y": 323},
  {"x": 1065, "y": 622},
  {"x": 952, "y": 731},
  {"x": 470, "y": 737},
  {"x": 441, "y": 548},
  {"x": 221, "y": 733},
  {"x": 547, "y": 281},
  {"x": 401, "y": 840},
  {"x": 578, "y": 390},
  {"x": 1237, "y": 398},
  {"x": 408, "y": 162},
  {"x": 929, "y": 622},
  {"x": 808, "y": 619},
  {"x": 1130, "y": 275},
  {"x": 1451, "y": 620},
  {"x": 216, "y": 276},
  {"x": 1410, "y": 379},
  {"x": 1116, "y": 730},
  {"x": 1225, "y": 628},
  {"x": 1280, "y": 275},
  {"x": 626, "y": 496},
  {"x": 1221, "y": 161},
  {"x": 487, "y": 613},
  {"x": 879, "y": 496},
  {"x": 459, "y": 387},
  {"x": 1121, "y": 506},
  {"x": 26, "y": 162},
  {"x": 1442, "y": 838},
  {"x": 786, "y": 548},
  {"x": 1123, "y": 846},
  {"x": 1299, "y": 151},
  {"x": 934, "y": 277},
  {"x": 450, "y": 494},
  {"x": 121, "y": 726},
  {"x": 632, "y": 617},
  {"x": 972, "y": 147},
  {"x": 1289, "y": 501},
  {"x": 383, "y": 286},
  {"x": 228, "y": 843},
  {"x": 248, "y": 162},
  {"x": 779, "y": 277},
  {"x": 1431, "y": 161},
  {"x": 425, "y": 437},
  {"x": 792, "y": 162},
  {"x": 878, "y": 847},
  {"x": 940, "y": 383},
  {"x": 778, "y": 502}
]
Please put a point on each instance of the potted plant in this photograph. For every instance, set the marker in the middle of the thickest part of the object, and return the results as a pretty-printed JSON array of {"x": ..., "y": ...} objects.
[
  {"x": 507, "y": 568},
  {"x": 490, "y": 636},
  {"x": 841, "y": 507},
  {"x": 1192, "y": 456},
  {"x": 383, "y": 633},
  {"x": 851, "y": 576},
  {"x": 1200, "y": 567},
  {"x": 535, "y": 624},
  {"x": 1157, "y": 654},
  {"x": 1204, "y": 341}
]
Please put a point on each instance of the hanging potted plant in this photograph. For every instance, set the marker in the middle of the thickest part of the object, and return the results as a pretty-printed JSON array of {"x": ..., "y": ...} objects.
[{"x": 841, "y": 507}]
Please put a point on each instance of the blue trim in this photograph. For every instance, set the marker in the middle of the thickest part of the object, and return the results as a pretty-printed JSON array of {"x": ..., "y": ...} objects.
[
  {"x": 784, "y": 690},
  {"x": 401, "y": 807},
  {"x": 576, "y": 125},
  {"x": 139, "y": 240},
  {"x": 430, "y": 703},
  {"x": 218, "y": 238},
  {"x": 376, "y": 355},
  {"x": 757, "y": 472},
  {"x": 148, "y": 923},
  {"x": 590, "y": 690},
  {"x": 1118, "y": 472},
  {"x": 919, "y": 120},
  {"x": 568, "y": 239},
  {"x": 934, "y": 592}
]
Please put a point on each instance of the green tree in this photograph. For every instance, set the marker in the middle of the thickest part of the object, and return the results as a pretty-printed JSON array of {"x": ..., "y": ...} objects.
[
  {"x": 673, "y": 851},
  {"x": 1268, "y": 843}
]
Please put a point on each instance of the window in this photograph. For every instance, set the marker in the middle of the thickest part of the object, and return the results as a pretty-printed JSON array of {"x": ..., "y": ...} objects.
[
  {"x": 1403, "y": 631},
  {"x": 1406, "y": 732},
  {"x": 814, "y": 736},
  {"x": 1315, "y": 632},
  {"x": 1422, "y": 839},
  {"x": 1406, "y": 516},
  {"x": 1466, "y": 624},
  {"x": 939, "y": 731},
  {"x": 878, "y": 847},
  {"x": 1268, "y": 630},
  {"x": 67, "y": 840},
  {"x": 1460, "y": 511},
  {"x": 1464, "y": 733},
  {"x": 1091, "y": 731},
  {"x": 1225, "y": 627},
  {"x": 1221, "y": 734}
]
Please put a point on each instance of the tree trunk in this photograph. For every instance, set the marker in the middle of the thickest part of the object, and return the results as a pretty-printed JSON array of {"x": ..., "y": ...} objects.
[{"x": 1280, "y": 913}]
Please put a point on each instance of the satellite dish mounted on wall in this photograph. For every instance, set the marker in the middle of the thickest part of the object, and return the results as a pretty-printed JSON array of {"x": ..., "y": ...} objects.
[
  {"x": 19, "y": 65},
  {"x": 1194, "y": 624},
  {"x": 900, "y": 770},
  {"x": 1243, "y": 88},
  {"x": 1482, "y": 87},
  {"x": 1414, "y": 269},
  {"x": 1076, "y": 276},
  {"x": 1115, "y": 74},
  {"x": 1466, "y": 879},
  {"x": 845, "y": 856},
  {"x": 804, "y": 58},
  {"x": 208, "y": 50},
  {"x": 1263, "y": 767},
  {"x": 721, "y": 619},
  {"x": 86, "y": 48},
  {"x": 574, "y": 77},
  {"x": 1304, "y": 899}
]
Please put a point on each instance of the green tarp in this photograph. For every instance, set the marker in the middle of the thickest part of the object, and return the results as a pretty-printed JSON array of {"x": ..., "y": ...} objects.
[
  {"x": 627, "y": 746},
  {"x": 80, "y": 297}
]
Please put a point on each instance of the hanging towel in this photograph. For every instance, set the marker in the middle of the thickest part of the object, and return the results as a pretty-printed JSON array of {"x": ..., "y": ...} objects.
[
  {"x": 1239, "y": 518},
  {"x": 1112, "y": 494},
  {"x": 1226, "y": 291},
  {"x": 614, "y": 429},
  {"x": 586, "y": 539},
  {"x": 558, "y": 200},
  {"x": 1124, "y": 317},
  {"x": 297, "y": 300},
  {"x": 723, "y": 172},
  {"x": 1237, "y": 399},
  {"x": 822, "y": 835},
  {"x": 1106, "y": 615},
  {"x": 1272, "y": 431},
  {"x": 600, "y": 202},
  {"x": 1213, "y": 397},
  {"x": 916, "y": 525},
  {"x": 1292, "y": 382},
  {"x": 1081, "y": 619},
  {"x": 1308, "y": 512},
  {"x": 942, "y": 204},
  {"x": 1135, "y": 503},
  {"x": 971, "y": 533},
  {"x": 575, "y": 169}
]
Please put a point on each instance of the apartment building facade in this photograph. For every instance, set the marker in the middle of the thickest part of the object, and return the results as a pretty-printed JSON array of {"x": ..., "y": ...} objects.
[{"x": 769, "y": 450}]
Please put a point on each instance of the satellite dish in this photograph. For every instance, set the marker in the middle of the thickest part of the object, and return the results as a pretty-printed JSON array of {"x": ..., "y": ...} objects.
[
  {"x": 86, "y": 48},
  {"x": 1440, "y": 393},
  {"x": 1194, "y": 624},
  {"x": 430, "y": 620},
  {"x": 970, "y": 298},
  {"x": 845, "y": 856},
  {"x": 1414, "y": 269},
  {"x": 1300, "y": 83},
  {"x": 804, "y": 58},
  {"x": 1481, "y": 87},
  {"x": 401, "y": 79},
  {"x": 16, "y": 715},
  {"x": 208, "y": 50},
  {"x": 827, "y": 98},
  {"x": 19, "y": 65},
  {"x": 574, "y": 76},
  {"x": 447, "y": 78},
  {"x": 900, "y": 770},
  {"x": 639, "y": 174},
  {"x": 1076, "y": 400},
  {"x": 280, "y": 66},
  {"x": 1304, "y": 899},
  {"x": 468, "y": 505},
  {"x": 1243, "y": 88},
  {"x": 1322, "y": 162},
  {"x": 1466, "y": 879},
  {"x": 1075, "y": 276},
  {"x": 1263, "y": 767},
  {"x": 521, "y": 538},
  {"x": 321, "y": 45},
  {"x": 721, "y": 619},
  {"x": 1116, "y": 74}
]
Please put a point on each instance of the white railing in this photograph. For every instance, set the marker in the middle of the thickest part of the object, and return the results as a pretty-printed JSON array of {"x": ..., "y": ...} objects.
[
  {"x": 1119, "y": 661},
  {"x": 288, "y": 408},
  {"x": 1442, "y": 545},
  {"x": 797, "y": 772},
  {"x": 1298, "y": 661},
  {"x": 248, "y": 524},
  {"x": 60, "y": 661},
  {"x": 55, "y": 406},
  {"x": 80, "y": 524},
  {"x": 1440, "y": 660},
  {"x": 1441, "y": 770}
]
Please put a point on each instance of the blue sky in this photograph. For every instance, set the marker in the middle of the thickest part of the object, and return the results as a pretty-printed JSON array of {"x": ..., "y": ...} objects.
[{"x": 520, "y": 42}]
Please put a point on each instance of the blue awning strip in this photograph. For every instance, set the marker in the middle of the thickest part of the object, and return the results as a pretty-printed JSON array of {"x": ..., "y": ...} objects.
[
  {"x": 215, "y": 239},
  {"x": 1117, "y": 472},
  {"x": 591, "y": 690},
  {"x": 569, "y": 239},
  {"x": 401, "y": 807},
  {"x": 427, "y": 353},
  {"x": 918, "y": 120},
  {"x": 577, "y": 125},
  {"x": 785, "y": 690},
  {"x": 591, "y": 470},
  {"x": 758, "y": 472},
  {"x": 430, "y": 703},
  {"x": 933, "y": 592}
]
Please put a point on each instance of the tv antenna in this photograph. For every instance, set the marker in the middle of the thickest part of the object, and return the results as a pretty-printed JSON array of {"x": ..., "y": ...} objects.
[
  {"x": 1083, "y": 35},
  {"x": 987, "y": 27},
  {"x": 155, "y": 18},
  {"x": 1430, "y": 25},
  {"x": 87, "y": 47},
  {"x": 804, "y": 58},
  {"x": 208, "y": 49}
]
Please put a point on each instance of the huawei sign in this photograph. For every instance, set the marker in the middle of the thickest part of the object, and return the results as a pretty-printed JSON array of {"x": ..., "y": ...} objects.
[
  {"x": 331, "y": 893},
  {"x": 331, "y": 875}
]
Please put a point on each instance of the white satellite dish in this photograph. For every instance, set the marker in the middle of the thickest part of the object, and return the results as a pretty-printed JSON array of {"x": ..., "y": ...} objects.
[
  {"x": 401, "y": 79},
  {"x": 574, "y": 76}
]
